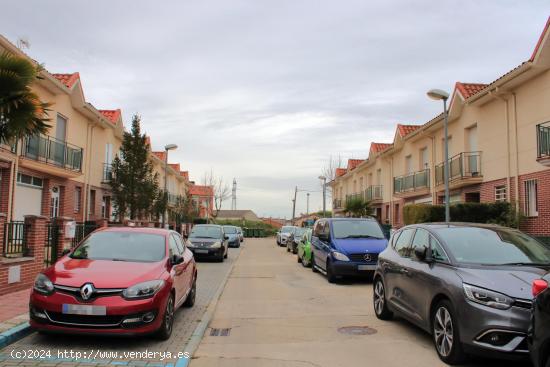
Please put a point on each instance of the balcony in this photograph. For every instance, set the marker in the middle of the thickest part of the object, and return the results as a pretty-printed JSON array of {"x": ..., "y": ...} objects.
[
  {"x": 107, "y": 175},
  {"x": 374, "y": 193},
  {"x": 412, "y": 184},
  {"x": 62, "y": 159},
  {"x": 464, "y": 170},
  {"x": 357, "y": 195},
  {"x": 543, "y": 144},
  {"x": 172, "y": 199},
  {"x": 337, "y": 204}
]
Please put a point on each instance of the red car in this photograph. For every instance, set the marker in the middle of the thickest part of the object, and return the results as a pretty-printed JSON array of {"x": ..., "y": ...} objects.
[{"x": 117, "y": 281}]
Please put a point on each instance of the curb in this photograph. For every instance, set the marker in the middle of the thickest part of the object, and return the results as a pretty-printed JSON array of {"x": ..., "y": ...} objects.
[
  {"x": 199, "y": 331},
  {"x": 14, "y": 334}
]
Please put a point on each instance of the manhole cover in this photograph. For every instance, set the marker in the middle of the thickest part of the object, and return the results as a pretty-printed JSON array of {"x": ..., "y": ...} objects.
[{"x": 357, "y": 330}]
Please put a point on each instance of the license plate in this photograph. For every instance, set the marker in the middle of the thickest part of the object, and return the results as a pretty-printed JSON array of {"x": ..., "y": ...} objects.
[
  {"x": 84, "y": 310},
  {"x": 199, "y": 251},
  {"x": 366, "y": 267}
]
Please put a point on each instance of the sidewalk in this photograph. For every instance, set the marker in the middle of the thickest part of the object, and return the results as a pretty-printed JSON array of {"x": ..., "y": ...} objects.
[{"x": 14, "y": 309}]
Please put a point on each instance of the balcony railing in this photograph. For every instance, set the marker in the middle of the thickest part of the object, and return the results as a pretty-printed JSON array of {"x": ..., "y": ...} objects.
[
  {"x": 357, "y": 195},
  {"x": 337, "y": 204},
  {"x": 412, "y": 182},
  {"x": 543, "y": 141},
  {"x": 52, "y": 151},
  {"x": 374, "y": 192},
  {"x": 107, "y": 173},
  {"x": 461, "y": 166}
]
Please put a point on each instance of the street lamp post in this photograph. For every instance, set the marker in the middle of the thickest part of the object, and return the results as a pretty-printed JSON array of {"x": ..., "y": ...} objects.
[
  {"x": 166, "y": 149},
  {"x": 324, "y": 179},
  {"x": 439, "y": 94}
]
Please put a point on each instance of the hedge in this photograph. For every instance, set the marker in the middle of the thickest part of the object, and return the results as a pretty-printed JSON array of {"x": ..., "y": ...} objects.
[{"x": 502, "y": 213}]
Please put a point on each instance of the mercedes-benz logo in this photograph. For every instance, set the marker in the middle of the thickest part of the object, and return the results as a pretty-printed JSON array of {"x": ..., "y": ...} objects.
[
  {"x": 368, "y": 257},
  {"x": 87, "y": 291}
]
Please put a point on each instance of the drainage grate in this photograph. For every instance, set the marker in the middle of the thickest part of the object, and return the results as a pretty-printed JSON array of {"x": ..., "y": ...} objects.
[
  {"x": 357, "y": 330},
  {"x": 220, "y": 332}
]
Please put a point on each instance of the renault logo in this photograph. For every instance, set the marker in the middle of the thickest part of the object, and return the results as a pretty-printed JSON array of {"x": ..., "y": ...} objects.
[
  {"x": 87, "y": 291},
  {"x": 368, "y": 257}
]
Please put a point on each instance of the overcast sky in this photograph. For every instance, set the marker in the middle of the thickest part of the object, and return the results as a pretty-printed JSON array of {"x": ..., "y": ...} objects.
[{"x": 266, "y": 90}]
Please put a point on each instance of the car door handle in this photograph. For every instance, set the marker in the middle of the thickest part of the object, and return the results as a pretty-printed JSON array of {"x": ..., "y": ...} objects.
[{"x": 404, "y": 271}]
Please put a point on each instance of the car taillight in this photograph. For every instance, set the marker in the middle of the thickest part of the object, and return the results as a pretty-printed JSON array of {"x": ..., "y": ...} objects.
[{"x": 539, "y": 285}]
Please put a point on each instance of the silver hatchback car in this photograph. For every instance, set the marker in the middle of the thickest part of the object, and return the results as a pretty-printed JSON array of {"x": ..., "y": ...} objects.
[{"x": 469, "y": 285}]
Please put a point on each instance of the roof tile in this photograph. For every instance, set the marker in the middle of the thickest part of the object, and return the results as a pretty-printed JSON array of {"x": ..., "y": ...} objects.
[
  {"x": 469, "y": 89},
  {"x": 405, "y": 130},
  {"x": 112, "y": 115},
  {"x": 68, "y": 79}
]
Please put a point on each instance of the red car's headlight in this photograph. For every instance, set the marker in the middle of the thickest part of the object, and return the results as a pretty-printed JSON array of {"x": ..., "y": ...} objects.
[
  {"x": 143, "y": 290},
  {"x": 43, "y": 284}
]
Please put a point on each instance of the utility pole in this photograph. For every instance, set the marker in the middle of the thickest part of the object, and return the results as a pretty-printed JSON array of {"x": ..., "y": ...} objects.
[
  {"x": 307, "y": 206},
  {"x": 324, "y": 179},
  {"x": 234, "y": 195},
  {"x": 294, "y": 204}
]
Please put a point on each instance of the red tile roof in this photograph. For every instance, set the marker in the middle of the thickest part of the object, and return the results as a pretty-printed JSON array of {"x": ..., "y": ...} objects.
[
  {"x": 175, "y": 166},
  {"x": 405, "y": 130},
  {"x": 379, "y": 147},
  {"x": 185, "y": 174},
  {"x": 340, "y": 172},
  {"x": 353, "y": 163},
  {"x": 111, "y": 115},
  {"x": 67, "y": 79},
  {"x": 201, "y": 190},
  {"x": 160, "y": 155},
  {"x": 469, "y": 89}
]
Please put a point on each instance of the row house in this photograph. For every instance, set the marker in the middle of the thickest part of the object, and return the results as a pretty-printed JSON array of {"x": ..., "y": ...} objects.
[
  {"x": 202, "y": 198},
  {"x": 499, "y": 150}
]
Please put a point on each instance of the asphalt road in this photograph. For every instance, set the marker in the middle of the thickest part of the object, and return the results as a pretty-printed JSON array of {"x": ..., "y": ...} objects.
[
  {"x": 210, "y": 276},
  {"x": 276, "y": 313}
]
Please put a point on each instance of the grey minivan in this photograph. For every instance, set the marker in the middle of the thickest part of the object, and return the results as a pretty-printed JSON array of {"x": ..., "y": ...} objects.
[{"x": 469, "y": 285}]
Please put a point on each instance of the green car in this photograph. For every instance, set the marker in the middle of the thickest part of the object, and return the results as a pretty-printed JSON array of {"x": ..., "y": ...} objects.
[{"x": 304, "y": 249}]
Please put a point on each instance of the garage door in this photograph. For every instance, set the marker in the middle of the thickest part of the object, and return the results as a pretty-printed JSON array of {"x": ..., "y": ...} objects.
[{"x": 28, "y": 201}]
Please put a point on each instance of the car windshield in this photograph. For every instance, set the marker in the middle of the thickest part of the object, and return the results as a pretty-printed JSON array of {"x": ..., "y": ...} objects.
[
  {"x": 299, "y": 232},
  {"x": 493, "y": 246},
  {"x": 206, "y": 232},
  {"x": 356, "y": 229},
  {"x": 122, "y": 246},
  {"x": 287, "y": 229},
  {"x": 230, "y": 230}
]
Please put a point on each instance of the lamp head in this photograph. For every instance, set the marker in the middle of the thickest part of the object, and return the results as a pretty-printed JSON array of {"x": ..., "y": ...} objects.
[
  {"x": 170, "y": 147},
  {"x": 438, "y": 94},
  {"x": 322, "y": 178}
]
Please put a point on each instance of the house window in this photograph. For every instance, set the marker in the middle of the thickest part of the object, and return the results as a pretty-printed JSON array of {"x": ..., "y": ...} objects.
[
  {"x": 29, "y": 180},
  {"x": 423, "y": 158},
  {"x": 408, "y": 164},
  {"x": 530, "y": 206},
  {"x": 77, "y": 199},
  {"x": 396, "y": 214},
  {"x": 500, "y": 193}
]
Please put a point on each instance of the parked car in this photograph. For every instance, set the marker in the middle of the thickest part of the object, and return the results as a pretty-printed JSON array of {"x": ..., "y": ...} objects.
[
  {"x": 283, "y": 234},
  {"x": 208, "y": 240},
  {"x": 241, "y": 234},
  {"x": 117, "y": 281},
  {"x": 234, "y": 239},
  {"x": 466, "y": 284},
  {"x": 294, "y": 239},
  {"x": 346, "y": 246},
  {"x": 539, "y": 332},
  {"x": 304, "y": 248}
]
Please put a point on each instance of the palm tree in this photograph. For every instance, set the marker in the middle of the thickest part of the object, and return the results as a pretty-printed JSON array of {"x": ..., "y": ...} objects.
[
  {"x": 357, "y": 207},
  {"x": 21, "y": 111}
]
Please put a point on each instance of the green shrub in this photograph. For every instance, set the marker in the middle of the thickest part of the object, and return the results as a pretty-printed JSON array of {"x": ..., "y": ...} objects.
[{"x": 502, "y": 213}]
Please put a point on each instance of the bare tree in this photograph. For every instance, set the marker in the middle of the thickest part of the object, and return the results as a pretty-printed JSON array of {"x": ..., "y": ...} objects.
[
  {"x": 221, "y": 190},
  {"x": 329, "y": 169}
]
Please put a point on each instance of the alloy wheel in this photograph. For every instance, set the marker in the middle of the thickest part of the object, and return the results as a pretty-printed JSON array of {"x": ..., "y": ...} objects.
[
  {"x": 443, "y": 331},
  {"x": 169, "y": 315},
  {"x": 379, "y": 297}
]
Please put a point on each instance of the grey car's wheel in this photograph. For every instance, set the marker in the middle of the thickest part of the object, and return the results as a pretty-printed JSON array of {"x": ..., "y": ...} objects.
[
  {"x": 165, "y": 330},
  {"x": 379, "y": 299},
  {"x": 445, "y": 334}
]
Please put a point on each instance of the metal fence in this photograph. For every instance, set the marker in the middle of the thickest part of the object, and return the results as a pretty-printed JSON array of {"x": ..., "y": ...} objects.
[
  {"x": 412, "y": 181},
  {"x": 462, "y": 165},
  {"x": 50, "y": 247},
  {"x": 82, "y": 230},
  {"x": 543, "y": 140},
  {"x": 15, "y": 239},
  {"x": 50, "y": 150}
]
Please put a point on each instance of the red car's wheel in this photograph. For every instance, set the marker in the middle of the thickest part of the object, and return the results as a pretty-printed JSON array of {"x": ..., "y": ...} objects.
[
  {"x": 165, "y": 330},
  {"x": 190, "y": 300}
]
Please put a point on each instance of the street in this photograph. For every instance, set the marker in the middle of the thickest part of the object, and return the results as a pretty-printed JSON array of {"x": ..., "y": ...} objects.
[
  {"x": 281, "y": 314},
  {"x": 211, "y": 275}
]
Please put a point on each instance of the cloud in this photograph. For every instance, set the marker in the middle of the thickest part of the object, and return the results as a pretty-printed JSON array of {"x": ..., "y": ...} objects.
[{"x": 265, "y": 91}]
